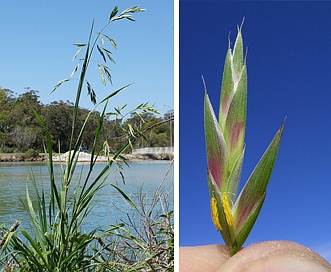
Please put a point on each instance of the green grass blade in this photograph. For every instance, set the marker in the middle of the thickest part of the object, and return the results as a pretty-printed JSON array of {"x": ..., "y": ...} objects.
[
  {"x": 54, "y": 190},
  {"x": 126, "y": 197},
  {"x": 256, "y": 185}
]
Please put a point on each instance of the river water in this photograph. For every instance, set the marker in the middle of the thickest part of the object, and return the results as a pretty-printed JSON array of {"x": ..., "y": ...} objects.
[{"x": 143, "y": 177}]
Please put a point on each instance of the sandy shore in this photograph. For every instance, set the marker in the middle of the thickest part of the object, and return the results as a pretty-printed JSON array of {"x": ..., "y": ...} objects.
[{"x": 83, "y": 157}]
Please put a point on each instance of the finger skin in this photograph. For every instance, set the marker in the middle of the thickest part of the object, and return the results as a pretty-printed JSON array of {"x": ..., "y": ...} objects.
[
  {"x": 275, "y": 256},
  {"x": 270, "y": 256},
  {"x": 202, "y": 258}
]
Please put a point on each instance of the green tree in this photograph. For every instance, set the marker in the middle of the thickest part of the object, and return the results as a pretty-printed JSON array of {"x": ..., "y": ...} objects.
[
  {"x": 24, "y": 137},
  {"x": 57, "y": 116},
  {"x": 21, "y": 112},
  {"x": 19, "y": 128},
  {"x": 5, "y": 123},
  {"x": 158, "y": 139}
]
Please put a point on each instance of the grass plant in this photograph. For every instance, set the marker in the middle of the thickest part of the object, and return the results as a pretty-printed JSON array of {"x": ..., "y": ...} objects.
[{"x": 57, "y": 241}]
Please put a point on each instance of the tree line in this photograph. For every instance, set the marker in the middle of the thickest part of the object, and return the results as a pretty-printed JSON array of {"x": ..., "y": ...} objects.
[{"x": 20, "y": 130}]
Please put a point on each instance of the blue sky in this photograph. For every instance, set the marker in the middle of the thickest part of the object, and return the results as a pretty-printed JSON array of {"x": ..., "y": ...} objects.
[
  {"x": 289, "y": 74},
  {"x": 37, "y": 40}
]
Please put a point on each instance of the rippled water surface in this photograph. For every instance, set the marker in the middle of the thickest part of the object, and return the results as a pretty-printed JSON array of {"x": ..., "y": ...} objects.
[{"x": 16, "y": 177}]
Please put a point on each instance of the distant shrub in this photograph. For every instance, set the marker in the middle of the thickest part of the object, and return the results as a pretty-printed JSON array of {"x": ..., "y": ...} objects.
[{"x": 30, "y": 153}]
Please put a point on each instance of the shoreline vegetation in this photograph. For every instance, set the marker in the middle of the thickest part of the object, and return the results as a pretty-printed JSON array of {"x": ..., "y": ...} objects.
[{"x": 83, "y": 157}]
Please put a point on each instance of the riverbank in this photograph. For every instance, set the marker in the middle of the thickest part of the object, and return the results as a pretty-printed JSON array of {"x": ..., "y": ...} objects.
[{"x": 22, "y": 157}]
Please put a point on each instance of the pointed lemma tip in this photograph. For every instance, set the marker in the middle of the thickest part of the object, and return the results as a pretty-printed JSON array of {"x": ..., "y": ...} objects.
[
  {"x": 229, "y": 40},
  {"x": 204, "y": 83},
  {"x": 241, "y": 25},
  {"x": 282, "y": 126},
  {"x": 245, "y": 58},
  {"x": 284, "y": 121}
]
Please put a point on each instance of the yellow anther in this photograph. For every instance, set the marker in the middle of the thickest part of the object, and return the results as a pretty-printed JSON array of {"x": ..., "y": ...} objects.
[
  {"x": 227, "y": 209},
  {"x": 214, "y": 213}
]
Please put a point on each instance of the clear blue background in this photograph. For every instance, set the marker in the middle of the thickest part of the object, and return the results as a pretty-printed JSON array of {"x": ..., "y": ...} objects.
[
  {"x": 37, "y": 40},
  {"x": 289, "y": 73}
]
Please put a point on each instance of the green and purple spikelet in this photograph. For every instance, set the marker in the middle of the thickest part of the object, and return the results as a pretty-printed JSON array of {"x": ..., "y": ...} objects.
[{"x": 234, "y": 216}]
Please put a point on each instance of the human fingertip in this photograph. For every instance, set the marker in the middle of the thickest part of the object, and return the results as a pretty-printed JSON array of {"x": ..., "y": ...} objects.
[
  {"x": 285, "y": 264},
  {"x": 280, "y": 256},
  {"x": 202, "y": 258}
]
